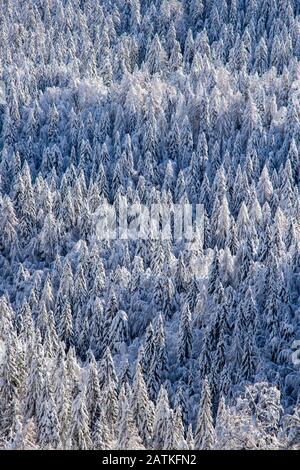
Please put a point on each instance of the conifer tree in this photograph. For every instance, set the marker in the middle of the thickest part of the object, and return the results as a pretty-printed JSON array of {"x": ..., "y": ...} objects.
[
  {"x": 128, "y": 438},
  {"x": 142, "y": 407},
  {"x": 93, "y": 396},
  {"x": 185, "y": 336},
  {"x": 205, "y": 433},
  {"x": 79, "y": 437},
  {"x": 48, "y": 426},
  {"x": 161, "y": 418}
]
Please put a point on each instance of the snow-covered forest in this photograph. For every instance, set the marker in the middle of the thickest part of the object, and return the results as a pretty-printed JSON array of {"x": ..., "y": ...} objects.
[{"x": 149, "y": 344}]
